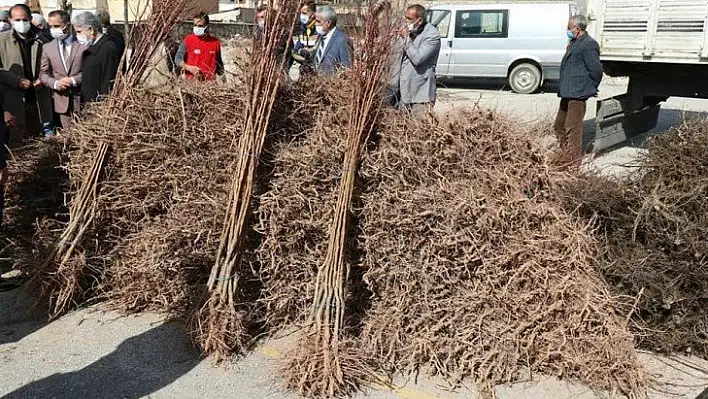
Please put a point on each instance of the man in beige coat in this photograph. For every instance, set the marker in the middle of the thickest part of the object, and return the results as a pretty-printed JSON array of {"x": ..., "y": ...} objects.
[
  {"x": 61, "y": 67},
  {"x": 20, "y": 53}
]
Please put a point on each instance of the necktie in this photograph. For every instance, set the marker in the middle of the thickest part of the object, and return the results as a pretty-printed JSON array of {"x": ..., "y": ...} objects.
[
  {"x": 62, "y": 51},
  {"x": 320, "y": 49}
]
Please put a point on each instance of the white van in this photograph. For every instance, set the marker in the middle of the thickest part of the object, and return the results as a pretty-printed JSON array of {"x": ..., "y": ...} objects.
[{"x": 523, "y": 43}]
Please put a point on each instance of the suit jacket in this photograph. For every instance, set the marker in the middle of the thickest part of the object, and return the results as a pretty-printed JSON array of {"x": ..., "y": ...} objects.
[
  {"x": 100, "y": 65},
  {"x": 53, "y": 69},
  {"x": 420, "y": 55},
  {"x": 581, "y": 70},
  {"x": 11, "y": 60},
  {"x": 337, "y": 54}
]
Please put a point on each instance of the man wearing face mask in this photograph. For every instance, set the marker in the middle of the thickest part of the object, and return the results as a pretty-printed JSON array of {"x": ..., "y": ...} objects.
[
  {"x": 5, "y": 21},
  {"x": 20, "y": 53},
  {"x": 199, "y": 54},
  {"x": 40, "y": 23},
  {"x": 580, "y": 76},
  {"x": 61, "y": 67},
  {"x": 421, "y": 48},
  {"x": 305, "y": 43},
  {"x": 100, "y": 59},
  {"x": 334, "y": 50}
]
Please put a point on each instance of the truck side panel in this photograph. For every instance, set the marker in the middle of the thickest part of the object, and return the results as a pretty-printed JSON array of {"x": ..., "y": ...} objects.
[
  {"x": 621, "y": 27},
  {"x": 680, "y": 29},
  {"x": 671, "y": 31}
]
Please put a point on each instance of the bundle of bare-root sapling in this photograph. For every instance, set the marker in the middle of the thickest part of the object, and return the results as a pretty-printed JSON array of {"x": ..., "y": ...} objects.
[
  {"x": 62, "y": 276},
  {"x": 218, "y": 326},
  {"x": 325, "y": 364}
]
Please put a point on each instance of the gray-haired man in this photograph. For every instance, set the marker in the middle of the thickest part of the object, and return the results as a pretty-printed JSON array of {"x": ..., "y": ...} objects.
[
  {"x": 100, "y": 60},
  {"x": 334, "y": 49},
  {"x": 5, "y": 21},
  {"x": 580, "y": 76}
]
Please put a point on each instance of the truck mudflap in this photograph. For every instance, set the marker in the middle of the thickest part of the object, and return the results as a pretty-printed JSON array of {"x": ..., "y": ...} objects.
[{"x": 616, "y": 122}]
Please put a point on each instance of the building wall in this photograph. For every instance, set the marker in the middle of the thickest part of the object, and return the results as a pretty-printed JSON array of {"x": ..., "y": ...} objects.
[{"x": 136, "y": 8}]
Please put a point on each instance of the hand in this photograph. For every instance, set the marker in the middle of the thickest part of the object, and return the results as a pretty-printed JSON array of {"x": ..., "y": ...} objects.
[
  {"x": 304, "y": 53},
  {"x": 403, "y": 32},
  {"x": 10, "y": 120},
  {"x": 194, "y": 70},
  {"x": 37, "y": 84},
  {"x": 66, "y": 82},
  {"x": 24, "y": 84},
  {"x": 3, "y": 176},
  {"x": 61, "y": 85}
]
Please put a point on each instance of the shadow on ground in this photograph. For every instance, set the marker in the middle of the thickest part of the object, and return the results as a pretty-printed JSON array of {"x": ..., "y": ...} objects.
[
  {"x": 18, "y": 318},
  {"x": 490, "y": 84},
  {"x": 139, "y": 366},
  {"x": 668, "y": 118},
  {"x": 34, "y": 210}
]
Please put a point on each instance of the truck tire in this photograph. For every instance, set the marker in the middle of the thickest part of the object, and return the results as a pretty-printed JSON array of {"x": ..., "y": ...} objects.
[{"x": 525, "y": 79}]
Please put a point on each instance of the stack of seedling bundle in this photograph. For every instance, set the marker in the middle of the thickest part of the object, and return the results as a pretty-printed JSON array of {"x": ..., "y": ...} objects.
[
  {"x": 64, "y": 277},
  {"x": 654, "y": 227},
  {"x": 219, "y": 324}
]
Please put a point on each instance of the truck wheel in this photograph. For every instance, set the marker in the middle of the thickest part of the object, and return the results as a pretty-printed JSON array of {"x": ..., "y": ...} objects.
[{"x": 525, "y": 79}]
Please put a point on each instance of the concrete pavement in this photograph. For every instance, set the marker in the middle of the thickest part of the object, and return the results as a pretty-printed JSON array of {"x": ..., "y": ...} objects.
[{"x": 94, "y": 353}]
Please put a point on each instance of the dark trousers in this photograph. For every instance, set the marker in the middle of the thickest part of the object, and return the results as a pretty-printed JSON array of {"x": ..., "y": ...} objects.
[
  {"x": 569, "y": 129},
  {"x": 392, "y": 96}
]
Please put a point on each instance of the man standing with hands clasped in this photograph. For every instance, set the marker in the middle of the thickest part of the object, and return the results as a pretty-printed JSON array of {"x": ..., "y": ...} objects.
[
  {"x": 20, "y": 53},
  {"x": 61, "y": 67},
  {"x": 421, "y": 48},
  {"x": 580, "y": 76}
]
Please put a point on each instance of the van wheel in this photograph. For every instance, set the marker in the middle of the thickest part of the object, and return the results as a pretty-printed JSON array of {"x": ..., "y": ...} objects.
[{"x": 525, "y": 78}]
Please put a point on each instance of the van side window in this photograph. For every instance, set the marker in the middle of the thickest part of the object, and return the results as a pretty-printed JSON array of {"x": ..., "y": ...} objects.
[
  {"x": 439, "y": 19},
  {"x": 482, "y": 23}
]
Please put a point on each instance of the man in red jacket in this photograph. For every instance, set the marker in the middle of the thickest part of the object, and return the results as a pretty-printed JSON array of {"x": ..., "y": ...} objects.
[{"x": 199, "y": 54}]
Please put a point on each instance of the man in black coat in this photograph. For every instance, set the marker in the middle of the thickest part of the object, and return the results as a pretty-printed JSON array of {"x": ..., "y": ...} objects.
[
  {"x": 114, "y": 34},
  {"x": 580, "y": 76},
  {"x": 100, "y": 63}
]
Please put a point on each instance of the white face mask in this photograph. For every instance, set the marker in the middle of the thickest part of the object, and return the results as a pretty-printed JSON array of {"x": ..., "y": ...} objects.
[
  {"x": 5, "y": 26},
  {"x": 57, "y": 33},
  {"x": 320, "y": 30},
  {"x": 21, "y": 27},
  {"x": 304, "y": 19},
  {"x": 199, "y": 30},
  {"x": 83, "y": 39},
  {"x": 411, "y": 27},
  {"x": 261, "y": 24}
]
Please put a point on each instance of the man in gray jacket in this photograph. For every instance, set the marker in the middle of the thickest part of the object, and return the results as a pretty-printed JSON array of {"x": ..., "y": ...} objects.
[
  {"x": 580, "y": 76},
  {"x": 421, "y": 47}
]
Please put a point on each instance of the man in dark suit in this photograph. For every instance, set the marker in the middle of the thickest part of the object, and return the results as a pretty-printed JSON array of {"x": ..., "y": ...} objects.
[
  {"x": 580, "y": 76},
  {"x": 100, "y": 60},
  {"x": 334, "y": 50}
]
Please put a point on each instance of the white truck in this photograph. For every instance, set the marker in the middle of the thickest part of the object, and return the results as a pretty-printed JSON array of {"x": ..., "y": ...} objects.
[{"x": 662, "y": 46}]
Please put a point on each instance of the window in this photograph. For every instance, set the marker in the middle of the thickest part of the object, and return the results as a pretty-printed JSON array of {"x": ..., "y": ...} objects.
[
  {"x": 482, "y": 23},
  {"x": 439, "y": 19}
]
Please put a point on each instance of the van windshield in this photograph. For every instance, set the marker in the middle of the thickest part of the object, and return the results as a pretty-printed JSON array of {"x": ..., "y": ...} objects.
[{"x": 439, "y": 19}]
